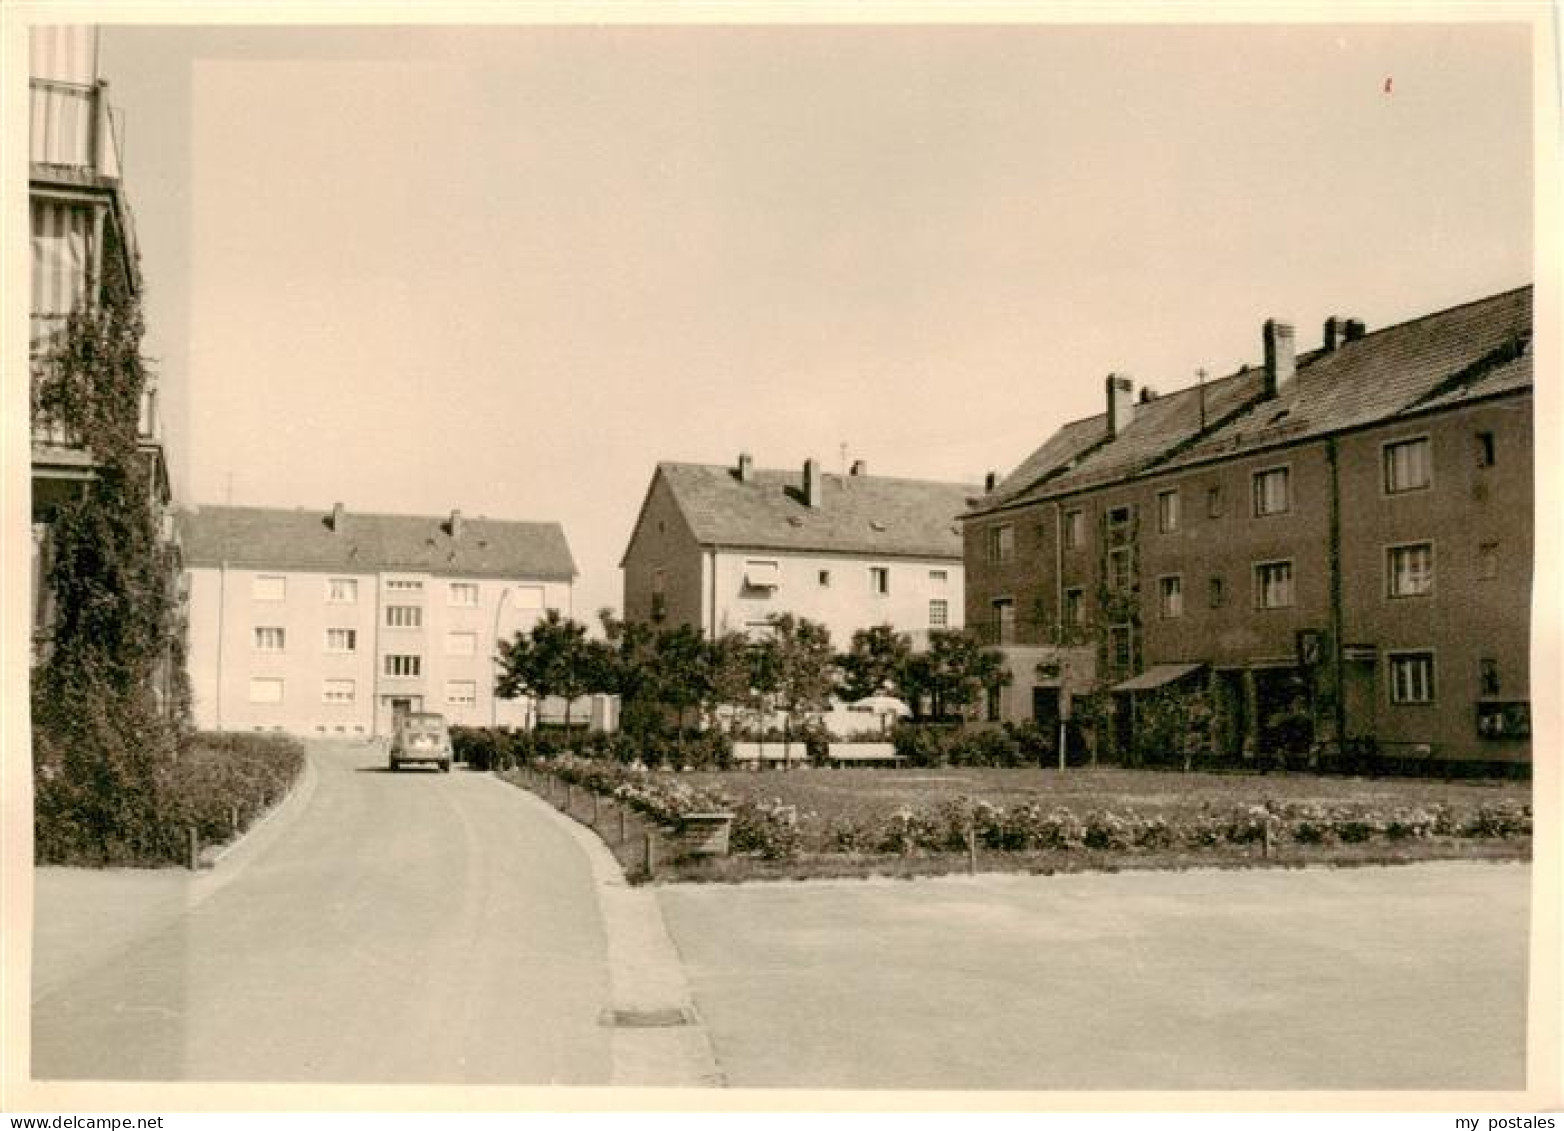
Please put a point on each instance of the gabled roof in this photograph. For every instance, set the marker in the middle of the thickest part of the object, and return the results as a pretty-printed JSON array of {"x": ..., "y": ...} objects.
[
  {"x": 858, "y": 514},
  {"x": 266, "y": 538},
  {"x": 1437, "y": 361}
]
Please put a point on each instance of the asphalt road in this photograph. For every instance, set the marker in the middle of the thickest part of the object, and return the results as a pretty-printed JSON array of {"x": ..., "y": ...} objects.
[
  {"x": 415, "y": 927},
  {"x": 1319, "y": 979}
]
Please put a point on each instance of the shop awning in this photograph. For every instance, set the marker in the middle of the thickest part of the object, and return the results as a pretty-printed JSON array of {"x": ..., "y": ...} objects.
[{"x": 1158, "y": 675}]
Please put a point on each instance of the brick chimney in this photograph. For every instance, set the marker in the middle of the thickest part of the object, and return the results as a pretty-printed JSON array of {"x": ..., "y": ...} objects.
[
  {"x": 813, "y": 495},
  {"x": 338, "y": 513},
  {"x": 1281, "y": 362},
  {"x": 860, "y": 467},
  {"x": 746, "y": 467},
  {"x": 1121, "y": 403},
  {"x": 990, "y": 481},
  {"x": 456, "y": 524}
]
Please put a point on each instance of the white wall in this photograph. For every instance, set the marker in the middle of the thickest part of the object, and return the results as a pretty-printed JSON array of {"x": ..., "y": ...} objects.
[
  {"x": 844, "y": 605},
  {"x": 223, "y": 659}
]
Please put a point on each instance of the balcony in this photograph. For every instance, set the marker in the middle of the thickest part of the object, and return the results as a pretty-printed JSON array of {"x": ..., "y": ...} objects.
[{"x": 75, "y": 134}]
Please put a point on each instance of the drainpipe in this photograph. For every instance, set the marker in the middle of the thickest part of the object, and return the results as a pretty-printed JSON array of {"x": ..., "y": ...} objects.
[
  {"x": 1059, "y": 622},
  {"x": 1337, "y": 664},
  {"x": 711, "y": 621},
  {"x": 222, "y": 600}
]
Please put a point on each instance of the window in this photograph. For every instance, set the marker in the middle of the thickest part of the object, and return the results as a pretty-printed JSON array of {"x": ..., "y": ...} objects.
[
  {"x": 1410, "y": 570},
  {"x": 339, "y": 691},
  {"x": 1119, "y": 569},
  {"x": 1118, "y": 524},
  {"x": 404, "y": 666},
  {"x": 1074, "y": 530},
  {"x": 762, "y": 575},
  {"x": 1004, "y": 620},
  {"x": 1487, "y": 561},
  {"x": 404, "y": 585},
  {"x": 342, "y": 590},
  {"x": 825, "y": 579},
  {"x": 1488, "y": 676},
  {"x": 1001, "y": 543},
  {"x": 269, "y": 588},
  {"x": 463, "y": 593},
  {"x": 659, "y": 582},
  {"x": 1407, "y": 466},
  {"x": 527, "y": 596},
  {"x": 759, "y": 629},
  {"x": 1170, "y": 592},
  {"x": 263, "y": 690},
  {"x": 939, "y": 613},
  {"x": 1167, "y": 511},
  {"x": 461, "y": 692},
  {"x": 1216, "y": 593},
  {"x": 1213, "y": 502},
  {"x": 879, "y": 580},
  {"x": 342, "y": 640},
  {"x": 1120, "y": 650},
  {"x": 461, "y": 643},
  {"x": 1411, "y": 677},
  {"x": 1484, "y": 449},
  {"x": 1075, "y": 607},
  {"x": 1270, "y": 492},
  {"x": 939, "y": 576},
  {"x": 269, "y": 639},
  {"x": 1273, "y": 585},
  {"x": 404, "y": 616}
]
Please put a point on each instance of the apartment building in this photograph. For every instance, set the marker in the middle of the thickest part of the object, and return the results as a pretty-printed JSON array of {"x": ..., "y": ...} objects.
[
  {"x": 83, "y": 248},
  {"x": 727, "y": 548},
  {"x": 330, "y": 622},
  {"x": 1331, "y": 548}
]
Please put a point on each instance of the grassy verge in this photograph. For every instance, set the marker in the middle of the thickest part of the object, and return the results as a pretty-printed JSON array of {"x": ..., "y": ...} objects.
[{"x": 811, "y": 824}]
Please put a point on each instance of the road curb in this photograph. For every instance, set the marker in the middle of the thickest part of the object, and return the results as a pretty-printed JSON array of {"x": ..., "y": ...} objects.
[{"x": 646, "y": 975}]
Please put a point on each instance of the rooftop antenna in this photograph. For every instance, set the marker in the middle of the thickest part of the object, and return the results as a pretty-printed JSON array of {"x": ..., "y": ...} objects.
[{"x": 842, "y": 449}]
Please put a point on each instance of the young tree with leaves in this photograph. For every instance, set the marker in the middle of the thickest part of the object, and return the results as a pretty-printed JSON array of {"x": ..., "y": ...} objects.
[
  {"x": 874, "y": 664},
  {"x": 796, "y": 660},
  {"x": 553, "y": 658}
]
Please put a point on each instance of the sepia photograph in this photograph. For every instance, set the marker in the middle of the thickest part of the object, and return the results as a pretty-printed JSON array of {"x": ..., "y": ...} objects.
[{"x": 755, "y": 558}]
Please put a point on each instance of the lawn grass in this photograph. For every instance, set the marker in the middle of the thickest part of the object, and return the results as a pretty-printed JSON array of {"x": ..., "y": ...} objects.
[{"x": 827, "y": 798}]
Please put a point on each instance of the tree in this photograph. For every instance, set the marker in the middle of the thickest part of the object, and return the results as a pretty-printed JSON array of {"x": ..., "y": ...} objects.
[
  {"x": 730, "y": 671},
  {"x": 553, "y": 658},
  {"x": 796, "y": 662},
  {"x": 682, "y": 674},
  {"x": 101, "y": 736},
  {"x": 953, "y": 673},
  {"x": 630, "y": 671},
  {"x": 874, "y": 664}
]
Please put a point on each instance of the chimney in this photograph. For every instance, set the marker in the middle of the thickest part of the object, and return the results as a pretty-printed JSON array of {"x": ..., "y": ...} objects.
[
  {"x": 338, "y": 512},
  {"x": 1281, "y": 363},
  {"x": 860, "y": 467},
  {"x": 1121, "y": 403},
  {"x": 1356, "y": 328},
  {"x": 812, "y": 491},
  {"x": 990, "y": 481},
  {"x": 746, "y": 467},
  {"x": 456, "y": 524}
]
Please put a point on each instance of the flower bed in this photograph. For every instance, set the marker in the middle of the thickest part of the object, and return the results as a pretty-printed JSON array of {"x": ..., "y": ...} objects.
[{"x": 821, "y": 821}]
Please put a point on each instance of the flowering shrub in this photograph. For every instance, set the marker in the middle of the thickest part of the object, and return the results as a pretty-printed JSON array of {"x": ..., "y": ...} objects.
[
  {"x": 768, "y": 829},
  {"x": 1499, "y": 820}
]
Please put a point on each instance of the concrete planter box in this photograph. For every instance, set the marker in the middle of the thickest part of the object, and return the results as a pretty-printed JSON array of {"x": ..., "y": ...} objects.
[{"x": 700, "y": 834}]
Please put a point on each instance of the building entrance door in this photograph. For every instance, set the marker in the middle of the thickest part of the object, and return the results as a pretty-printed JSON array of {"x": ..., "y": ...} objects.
[{"x": 393, "y": 707}]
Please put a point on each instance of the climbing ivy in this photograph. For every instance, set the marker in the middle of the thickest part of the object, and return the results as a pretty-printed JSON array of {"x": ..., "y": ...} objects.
[{"x": 104, "y": 730}]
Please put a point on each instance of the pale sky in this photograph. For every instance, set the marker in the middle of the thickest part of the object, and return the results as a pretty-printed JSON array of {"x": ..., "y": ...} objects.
[{"x": 510, "y": 269}]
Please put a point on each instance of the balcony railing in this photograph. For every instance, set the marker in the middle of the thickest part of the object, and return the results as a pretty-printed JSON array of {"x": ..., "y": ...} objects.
[{"x": 74, "y": 128}]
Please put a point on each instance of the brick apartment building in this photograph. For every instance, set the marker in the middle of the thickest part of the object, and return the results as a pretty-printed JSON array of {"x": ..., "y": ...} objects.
[{"x": 1330, "y": 549}]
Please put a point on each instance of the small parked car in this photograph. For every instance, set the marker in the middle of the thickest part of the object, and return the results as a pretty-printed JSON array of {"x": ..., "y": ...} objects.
[{"x": 421, "y": 736}]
